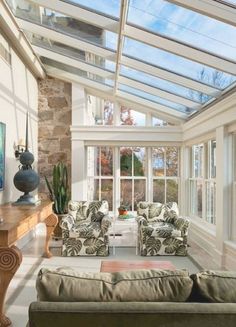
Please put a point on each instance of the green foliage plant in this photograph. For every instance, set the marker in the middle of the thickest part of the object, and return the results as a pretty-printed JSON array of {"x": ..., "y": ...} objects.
[{"x": 58, "y": 188}]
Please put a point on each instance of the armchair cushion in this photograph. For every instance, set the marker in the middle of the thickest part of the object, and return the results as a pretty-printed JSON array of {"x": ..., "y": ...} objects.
[
  {"x": 92, "y": 211},
  {"x": 158, "y": 212},
  {"x": 86, "y": 230}
]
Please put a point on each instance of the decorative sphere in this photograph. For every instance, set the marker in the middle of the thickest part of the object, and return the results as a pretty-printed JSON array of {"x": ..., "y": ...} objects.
[
  {"x": 26, "y": 158},
  {"x": 26, "y": 180}
]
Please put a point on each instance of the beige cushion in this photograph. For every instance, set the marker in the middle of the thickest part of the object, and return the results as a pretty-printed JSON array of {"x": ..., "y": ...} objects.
[
  {"x": 66, "y": 285},
  {"x": 215, "y": 286}
]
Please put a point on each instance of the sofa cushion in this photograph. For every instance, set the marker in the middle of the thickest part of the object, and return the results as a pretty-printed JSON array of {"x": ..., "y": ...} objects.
[
  {"x": 215, "y": 286},
  {"x": 66, "y": 285}
]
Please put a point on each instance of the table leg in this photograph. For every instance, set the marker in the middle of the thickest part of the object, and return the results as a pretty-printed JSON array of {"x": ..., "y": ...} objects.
[
  {"x": 51, "y": 222},
  {"x": 10, "y": 260}
]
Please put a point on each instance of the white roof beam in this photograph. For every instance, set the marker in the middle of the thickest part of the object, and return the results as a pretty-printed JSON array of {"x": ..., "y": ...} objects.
[
  {"x": 180, "y": 49},
  {"x": 65, "y": 39},
  {"x": 9, "y": 26},
  {"x": 123, "y": 16},
  {"x": 210, "y": 8},
  {"x": 158, "y": 92},
  {"x": 105, "y": 91},
  {"x": 169, "y": 76},
  {"x": 73, "y": 62},
  {"x": 80, "y": 13}
]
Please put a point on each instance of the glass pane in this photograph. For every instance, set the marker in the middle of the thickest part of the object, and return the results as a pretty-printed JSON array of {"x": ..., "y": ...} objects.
[
  {"x": 177, "y": 64},
  {"x": 171, "y": 190},
  {"x": 164, "y": 85},
  {"x": 126, "y": 193},
  {"x": 154, "y": 98},
  {"x": 198, "y": 152},
  {"x": 212, "y": 159},
  {"x": 108, "y": 112},
  {"x": 65, "y": 24},
  {"x": 158, "y": 122},
  {"x": 184, "y": 25},
  {"x": 126, "y": 161},
  {"x": 106, "y": 161},
  {"x": 132, "y": 117},
  {"x": 230, "y": 2},
  {"x": 139, "y": 161},
  {"x": 107, "y": 192},
  {"x": 71, "y": 52},
  {"x": 93, "y": 189},
  {"x": 196, "y": 197},
  {"x": 109, "y": 7},
  {"x": 210, "y": 202},
  {"x": 172, "y": 161},
  {"x": 159, "y": 190},
  {"x": 93, "y": 161},
  {"x": 158, "y": 161},
  {"x": 139, "y": 191},
  {"x": 77, "y": 71}
]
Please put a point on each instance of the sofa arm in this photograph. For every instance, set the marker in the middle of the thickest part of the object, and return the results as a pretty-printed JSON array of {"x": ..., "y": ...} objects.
[
  {"x": 141, "y": 221},
  {"x": 182, "y": 224},
  {"x": 67, "y": 222},
  {"x": 105, "y": 224}
]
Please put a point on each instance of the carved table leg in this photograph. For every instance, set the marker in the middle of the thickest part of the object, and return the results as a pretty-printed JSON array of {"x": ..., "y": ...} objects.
[
  {"x": 51, "y": 222},
  {"x": 10, "y": 260}
]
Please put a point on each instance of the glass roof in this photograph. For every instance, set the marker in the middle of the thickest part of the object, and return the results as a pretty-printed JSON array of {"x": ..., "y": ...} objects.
[
  {"x": 193, "y": 64},
  {"x": 184, "y": 25}
]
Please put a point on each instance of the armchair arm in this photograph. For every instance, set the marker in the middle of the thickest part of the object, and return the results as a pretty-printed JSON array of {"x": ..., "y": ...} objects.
[
  {"x": 105, "y": 224},
  {"x": 141, "y": 221},
  {"x": 67, "y": 222},
  {"x": 182, "y": 224}
]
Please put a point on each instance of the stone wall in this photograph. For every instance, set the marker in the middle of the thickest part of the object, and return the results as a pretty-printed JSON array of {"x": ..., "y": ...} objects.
[{"x": 54, "y": 141}]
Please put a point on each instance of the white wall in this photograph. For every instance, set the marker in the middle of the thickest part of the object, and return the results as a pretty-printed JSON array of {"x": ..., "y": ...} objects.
[{"x": 18, "y": 94}]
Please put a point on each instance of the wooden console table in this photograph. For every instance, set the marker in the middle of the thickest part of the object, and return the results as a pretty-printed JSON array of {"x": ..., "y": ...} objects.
[{"x": 18, "y": 221}]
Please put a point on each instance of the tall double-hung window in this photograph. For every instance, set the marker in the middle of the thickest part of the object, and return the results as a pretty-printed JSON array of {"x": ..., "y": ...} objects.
[{"x": 203, "y": 181}]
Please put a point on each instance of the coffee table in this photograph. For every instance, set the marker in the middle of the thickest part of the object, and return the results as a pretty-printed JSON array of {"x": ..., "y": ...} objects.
[{"x": 120, "y": 265}]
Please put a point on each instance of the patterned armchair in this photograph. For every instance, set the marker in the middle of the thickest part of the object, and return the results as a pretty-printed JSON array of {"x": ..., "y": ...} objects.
[
  {"x": 160, "y": 229},
  {"x": 85, "y": 229}
]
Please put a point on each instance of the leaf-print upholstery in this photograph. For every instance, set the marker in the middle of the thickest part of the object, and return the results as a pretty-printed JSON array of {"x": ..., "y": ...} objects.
[
  {"x": 160, "y": 229},
  {"x": 85, "y": 229}
]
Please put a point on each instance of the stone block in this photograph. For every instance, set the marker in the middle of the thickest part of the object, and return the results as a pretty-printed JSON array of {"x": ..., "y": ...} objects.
[
  {"x": 45, "y": 115},
  {"x": 61, "y": 131},
  {"x": 56, "y": 157},
  {"x": 57, "y": 102},
  {"x": 65, "y": 143}
]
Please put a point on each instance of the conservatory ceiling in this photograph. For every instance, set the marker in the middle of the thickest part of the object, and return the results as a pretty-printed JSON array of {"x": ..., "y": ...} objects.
[{"x": 174, "y": 57}]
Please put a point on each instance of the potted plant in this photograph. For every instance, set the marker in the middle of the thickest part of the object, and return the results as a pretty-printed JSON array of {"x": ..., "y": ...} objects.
[
  {"x": 123, "y": 209},
  {"x": 59, "y": 193}
]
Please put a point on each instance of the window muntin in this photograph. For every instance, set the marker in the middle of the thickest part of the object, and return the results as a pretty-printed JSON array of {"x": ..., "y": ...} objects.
[
  {"x": 165, "y": 170},
  {"x": 132, "y": 176},
  {"x": 184, "y": 25},
  {"x": 100, "y": 174},
  {"x": 177, "y": 64},
  {"x": 164, "y": 85},
  {"x": 202, "y": 182},
  {"x": 132, "y": 117}
]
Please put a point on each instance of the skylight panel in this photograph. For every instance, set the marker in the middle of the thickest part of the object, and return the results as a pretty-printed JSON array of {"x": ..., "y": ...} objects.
[
  {"x": 177, "y": 64},
  {"x": 108, "y": 7},
  {"x": 154, "y": 98},
  {"x": 63, "y": 23},
  {"x": 184, "y": 25},
  {"x": 229, "y": 2},
  {"x": 71, "y": 52},
  {"x": 77, "y": 72},
  {"x": 164, "y": 85}
]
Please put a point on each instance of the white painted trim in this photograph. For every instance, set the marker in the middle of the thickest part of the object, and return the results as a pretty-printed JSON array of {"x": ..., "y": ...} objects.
[
  {"x": 180, "y": 49},
  {"x": 9, "y": 26},
  {"x": 158, "y": 92},
  {"x": 169, "y": 76},
  {"x": 211, "y": 9},
  {"x": 54, "y": 35},
  {"x": 79, "y": 13},
  {"x": 73, "y": 62},
  {"x": 230, "y": 255}
]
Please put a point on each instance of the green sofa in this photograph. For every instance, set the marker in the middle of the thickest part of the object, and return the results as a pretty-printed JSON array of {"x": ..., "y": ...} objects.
[{"x": 134, "y": 298}]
